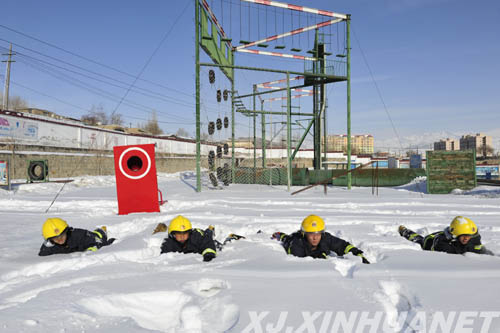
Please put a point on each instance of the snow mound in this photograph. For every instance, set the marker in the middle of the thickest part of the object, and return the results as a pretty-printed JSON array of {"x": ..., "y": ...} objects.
[
  {"x": 172, "y": 310},
  {"x": 158, "y": 310},
  {"x": 480, "y": 191},
  {"x": 418, "y": 184}
]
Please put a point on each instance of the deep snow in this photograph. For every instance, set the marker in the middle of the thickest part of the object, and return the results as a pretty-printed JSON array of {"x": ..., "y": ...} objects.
[{"x": 252, "y": 284}]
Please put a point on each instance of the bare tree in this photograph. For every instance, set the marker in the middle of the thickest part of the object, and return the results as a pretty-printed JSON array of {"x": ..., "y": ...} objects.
[
  {"x": 486, "y": 150},
  {"x": 97, "y": 116},
  {"x": 152, "y": 125},
  {"x": 182, "y": 133},
  {"x": 15, "y": 103},
  {"x": 411, "y": 152},
  {"x": 116, "y": 119}
]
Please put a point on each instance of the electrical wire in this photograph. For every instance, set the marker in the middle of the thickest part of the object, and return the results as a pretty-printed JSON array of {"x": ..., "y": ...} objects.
[
  {"x": 378, "y": 90},
  {"x": 151, "y": 57},
  {"x": 96, "y": 73},
  {"x": 80, "y": 107},
  {"x": 87, "y": 59}
]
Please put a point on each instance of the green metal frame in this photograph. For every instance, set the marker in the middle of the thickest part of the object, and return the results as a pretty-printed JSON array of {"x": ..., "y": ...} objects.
[{"x": 209, "y": 38}]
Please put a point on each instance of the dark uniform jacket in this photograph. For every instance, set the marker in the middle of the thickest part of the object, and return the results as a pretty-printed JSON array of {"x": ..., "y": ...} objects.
[
  {"x": 199, "y": 241},
  {"x": 443, "y": 241},
  {"x": 77, "y": 240},
  {"x": 298, "y": 245}
]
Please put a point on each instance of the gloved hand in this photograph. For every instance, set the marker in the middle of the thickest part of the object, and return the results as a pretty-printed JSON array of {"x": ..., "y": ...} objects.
[
  {"x": 161, "y": 227},
  {"x": 277, "y": 235},
  {"x": 359, "y": 253},
  {"x": 208, "y": 256},
  {"x": 356, "y": 251},
  {"x": 235, "y": 236}
]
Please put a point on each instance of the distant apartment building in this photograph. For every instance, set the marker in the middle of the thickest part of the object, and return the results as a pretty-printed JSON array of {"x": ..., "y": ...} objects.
[
  {"x": 448, "y": 144},
  {"x": 360, "y": 144},
  {"x": 481, "y": 143}
]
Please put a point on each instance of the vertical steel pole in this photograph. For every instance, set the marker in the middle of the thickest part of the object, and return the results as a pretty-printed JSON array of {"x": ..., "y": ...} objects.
[
  {"x": 316, "y": 109},
  {"x": 7, "y": 80},
  {"x": 325, "y": 138},
  {"x": 254, "y": 134},
  {"x": 325, "y": 135},
  {"x": 263, "y": 124},
  {"x": 197, "y": 55},
  {"x": 348, "y": 33},
  {"x": 323, "y": 109},
  {"x": 289, "y": 131},
  {"x": 233, "y": 161},
  {"x": 9, "y": 172}
]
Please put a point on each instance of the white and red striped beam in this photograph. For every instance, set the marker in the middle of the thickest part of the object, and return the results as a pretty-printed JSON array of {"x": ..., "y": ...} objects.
[
  {"x": 289, "y": 33},
  {"x": 284, "y": 97},
  {"x": 214, "y": 19},
  {"x": 298, "y": 8},
  {"x": 278, "y": 88},
  {"x": 279, "y": 81},
  {"x": 277, "y": 54}
]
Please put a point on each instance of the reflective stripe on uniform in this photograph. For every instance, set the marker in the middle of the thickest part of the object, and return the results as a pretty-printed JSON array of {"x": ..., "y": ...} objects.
[
  {"x": 209, "y": 250},
  {"x": 201, "y": 232},
  {"x": 412, "y": 236},
  {"x": 324, "y": 254},
  {"x": 431, "y": 236},
  {"x": 348, "y": 248},
  {"x": 97, "y": 233},
  {"x": 478, "y": 247},
  {"x": 93, "y": 249}
]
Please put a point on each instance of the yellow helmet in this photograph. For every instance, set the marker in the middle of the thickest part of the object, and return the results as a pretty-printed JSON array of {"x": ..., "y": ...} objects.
[
  {"x": 179, "y": 223},
  {"x": 462, "y": 226},
  {"x": 313, "y": 223},
  {"x": 53, "y": 227}
]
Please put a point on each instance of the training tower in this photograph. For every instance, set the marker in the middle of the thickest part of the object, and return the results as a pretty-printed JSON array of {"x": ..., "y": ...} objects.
[{"x": 273, "y": 34}]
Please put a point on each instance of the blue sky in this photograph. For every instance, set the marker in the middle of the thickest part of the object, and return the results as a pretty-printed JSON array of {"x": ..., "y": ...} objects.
[{"x": 435, "y": 62}]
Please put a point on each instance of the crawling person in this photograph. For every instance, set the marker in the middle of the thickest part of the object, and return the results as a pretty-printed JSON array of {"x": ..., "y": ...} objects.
[
  {"x": 460, "y": 237},
  {"x": 182, "y": 237},
  {"x": 313, "y": 241},
  {"x": 61, "y": 238}
]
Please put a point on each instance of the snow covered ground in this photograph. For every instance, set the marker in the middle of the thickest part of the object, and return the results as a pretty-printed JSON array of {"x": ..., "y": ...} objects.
[{"x": 252, "y": 285}]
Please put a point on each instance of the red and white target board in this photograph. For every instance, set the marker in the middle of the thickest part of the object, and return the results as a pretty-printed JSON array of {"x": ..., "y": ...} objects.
[{"x": 136, "y": 182}]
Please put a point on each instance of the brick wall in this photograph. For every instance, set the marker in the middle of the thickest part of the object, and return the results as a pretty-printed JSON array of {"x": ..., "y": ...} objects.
[{"x": 66, "y": 162}]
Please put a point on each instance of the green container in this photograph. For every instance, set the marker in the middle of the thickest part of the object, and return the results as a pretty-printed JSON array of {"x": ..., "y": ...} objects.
[
  {"x": 386, "y": 177},
  {"x": 300, "y": 176},
  {"x": 367, "y": 177},
  {"x": 318, "y": 176}
]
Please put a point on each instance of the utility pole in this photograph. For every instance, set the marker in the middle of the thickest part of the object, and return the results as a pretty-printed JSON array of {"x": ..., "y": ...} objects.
[
  {"x": 10, "y": 165},
  {"x": 7, "y": 79}
]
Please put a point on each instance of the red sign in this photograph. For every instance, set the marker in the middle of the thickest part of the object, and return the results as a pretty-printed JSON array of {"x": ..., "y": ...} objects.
[{"x": 136, "y": 183}]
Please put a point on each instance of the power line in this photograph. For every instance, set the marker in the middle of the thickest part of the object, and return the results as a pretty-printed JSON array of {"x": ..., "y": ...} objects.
[
  {"x": 95, "y": 90},
  {"x": 150, "y": 58},
  {"x": 378, "y": 90},
  {"x": 79, "y": 107},
  {"x": 159, "y": 97},
  {"x": 87, "y": 59},
  {"x": 92, "y": 72}
]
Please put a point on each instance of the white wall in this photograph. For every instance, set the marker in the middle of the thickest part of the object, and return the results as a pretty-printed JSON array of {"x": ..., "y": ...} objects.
[{"x": 34, "y": 131}]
